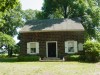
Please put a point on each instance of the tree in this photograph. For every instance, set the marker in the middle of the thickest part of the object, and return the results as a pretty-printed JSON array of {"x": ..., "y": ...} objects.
[
  {"x": 29, "y": 14},
  {"x": 7, "y": 18},
  {"x": 91, "y": 18},
  {"x": 68, "y": 8},
  {"x": 5, "y": 5},
  {"x": 13, "y": 20},
  {"x": 7, "y": 41},
  {"x": 40, "y": 15}
]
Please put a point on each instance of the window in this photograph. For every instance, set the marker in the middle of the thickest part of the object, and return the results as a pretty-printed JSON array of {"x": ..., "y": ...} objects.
[
  {"x": 32, "y": 47},
  {"x": 70, "y": 46}
]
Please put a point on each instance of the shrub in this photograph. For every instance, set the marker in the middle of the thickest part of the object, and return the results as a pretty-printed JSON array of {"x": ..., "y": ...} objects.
[
  {"x": 28, "y": 58},
  {"x": 92, "y": 51},
  {"x": 71, "y": 57},
  {"x": 82, "y": 57},
  {"x": 8, "y": 59},
  {"x": 3, "y": 55}
]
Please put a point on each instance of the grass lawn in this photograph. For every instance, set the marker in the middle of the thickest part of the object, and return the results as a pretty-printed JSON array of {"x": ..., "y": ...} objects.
[{"x": 49, "y": 68}]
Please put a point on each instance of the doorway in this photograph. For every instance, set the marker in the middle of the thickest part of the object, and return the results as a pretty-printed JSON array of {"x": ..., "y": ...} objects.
[{"x": 51, "y": 49}]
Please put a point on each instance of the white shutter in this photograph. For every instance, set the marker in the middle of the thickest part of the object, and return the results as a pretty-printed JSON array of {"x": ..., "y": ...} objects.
[
  {"x": 66, "y": 46},
  {"x": 28, "y": 48},
  {"x": 37, "y": 47},
  {"x": 80, "y": 46},
  {"x": 75, "y": 46}
]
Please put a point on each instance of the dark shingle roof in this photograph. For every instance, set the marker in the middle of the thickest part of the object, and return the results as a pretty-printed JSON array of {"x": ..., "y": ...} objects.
[{"x": 53, "y": 25}]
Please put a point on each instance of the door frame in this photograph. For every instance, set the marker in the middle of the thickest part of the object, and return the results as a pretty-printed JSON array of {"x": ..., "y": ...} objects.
[{"x": 47, "y": 47}]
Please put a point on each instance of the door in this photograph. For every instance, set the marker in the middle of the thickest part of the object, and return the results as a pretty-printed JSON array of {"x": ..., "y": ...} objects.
[{"x": 52, "y": 49}]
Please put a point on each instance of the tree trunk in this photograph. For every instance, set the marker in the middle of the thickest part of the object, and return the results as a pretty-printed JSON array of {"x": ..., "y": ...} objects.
[
  {"x": 9, "y": 51},
  {"x": 65, "y": 12}
]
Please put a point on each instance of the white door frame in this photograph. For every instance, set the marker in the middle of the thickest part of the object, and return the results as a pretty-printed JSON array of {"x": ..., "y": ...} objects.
[{"x": 47, "y": 47}]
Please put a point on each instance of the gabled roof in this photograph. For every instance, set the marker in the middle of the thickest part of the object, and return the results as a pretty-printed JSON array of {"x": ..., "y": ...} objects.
[{"x": 46, "y": 25}]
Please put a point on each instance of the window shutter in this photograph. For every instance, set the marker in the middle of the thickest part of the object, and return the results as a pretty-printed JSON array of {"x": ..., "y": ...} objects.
[
  {"x": 28, "y": 48},
  {"x": 37, "y": 47},
  {"x": 75, "y": 46},
  {"x": 66, "y": 47},
  {"x": 80, "y": 46}
]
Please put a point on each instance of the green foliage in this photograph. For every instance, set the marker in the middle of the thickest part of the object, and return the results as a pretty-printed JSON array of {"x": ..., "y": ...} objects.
[
  {"x": 82, "y": 57},
  {"x": 13, "y": 20},
  {"x": 5, "y": 58},
  {"x": 71, "y": 58},
  {"x": 6, "y": 40},
  {"x": 16, "y": 49},
  {"x": 92, "y": 51},
  {"x": 91, "y": 18},
  {"x": 28, "y": 58},
  {"x": 3, "y": 55},
  {"x": 5, "y": 6},
  {"x": 40, "y": 15},
  {"x": 8, "y": 59},
  {"x": 29, "y": 14},
  {"x": 98, "y": 36},
  {"x": 10, "y": 20},
  {"x": 66, "y": 8}
]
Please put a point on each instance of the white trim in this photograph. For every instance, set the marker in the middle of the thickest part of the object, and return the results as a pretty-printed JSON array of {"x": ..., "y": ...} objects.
[
  {"x": 50, "y": 30},
  {"x": 47, "y": 48}
]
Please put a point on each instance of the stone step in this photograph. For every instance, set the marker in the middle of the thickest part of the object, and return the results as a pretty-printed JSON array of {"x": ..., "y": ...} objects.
[{"x": 51, "y": 60}]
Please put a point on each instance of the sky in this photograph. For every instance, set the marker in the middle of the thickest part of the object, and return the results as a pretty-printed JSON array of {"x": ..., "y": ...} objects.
[{"x": 30, "y": 4}]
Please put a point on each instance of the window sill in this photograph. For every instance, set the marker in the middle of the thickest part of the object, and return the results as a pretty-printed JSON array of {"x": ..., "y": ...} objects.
[
  {"x": 71, "y": 52},
  {"x": 32, "y": 53}
]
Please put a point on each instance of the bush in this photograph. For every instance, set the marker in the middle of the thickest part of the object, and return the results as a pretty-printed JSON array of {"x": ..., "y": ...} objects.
[
  {"x": 28, "y": 58},
  {"x": 92, "y": 51},
  {"x": 71, "y": 57},
  {"x": 3, "y": 55},
  {"x": 82, "y": 57},
  {"x": 8, "y": 59}
]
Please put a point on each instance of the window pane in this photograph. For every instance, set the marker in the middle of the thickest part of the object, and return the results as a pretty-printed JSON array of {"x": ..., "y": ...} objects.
[
  {"x": 70, "y": 49},
  {"x": 32, "y": 45},
  {"x": 33, "y": 50},
  {"x": 70, "y": 46}
]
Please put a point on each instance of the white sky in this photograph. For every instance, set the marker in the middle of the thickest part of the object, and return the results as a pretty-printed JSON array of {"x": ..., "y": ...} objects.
[{"x": 31, "y": 4}]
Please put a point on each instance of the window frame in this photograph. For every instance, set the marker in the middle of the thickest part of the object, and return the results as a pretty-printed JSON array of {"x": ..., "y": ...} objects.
[
  {"x": 29, "y": 48},
  {"x": 75, "y": 47}
]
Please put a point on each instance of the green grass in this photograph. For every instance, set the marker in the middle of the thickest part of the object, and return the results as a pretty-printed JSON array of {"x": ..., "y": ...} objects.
[{"x": 49, "y": 68}]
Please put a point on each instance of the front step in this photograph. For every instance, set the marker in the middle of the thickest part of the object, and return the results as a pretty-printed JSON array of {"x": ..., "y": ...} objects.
[{"x": 51, "y": 60}]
